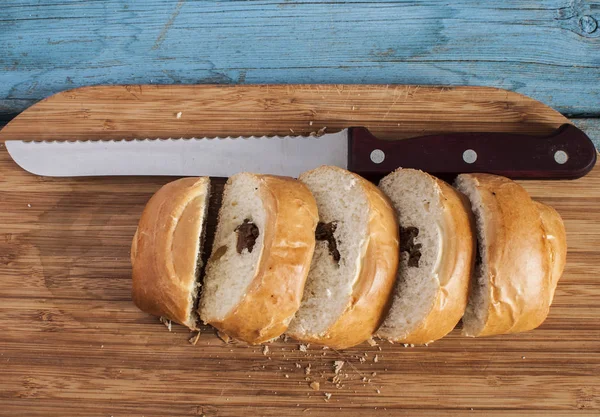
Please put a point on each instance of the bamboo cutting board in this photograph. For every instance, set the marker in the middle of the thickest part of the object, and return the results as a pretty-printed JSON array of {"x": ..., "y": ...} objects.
[{"x": 72, "y": 343}]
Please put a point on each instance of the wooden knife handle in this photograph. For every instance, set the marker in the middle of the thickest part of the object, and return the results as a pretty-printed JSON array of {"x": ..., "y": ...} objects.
[{"x": 567, "y": 153}]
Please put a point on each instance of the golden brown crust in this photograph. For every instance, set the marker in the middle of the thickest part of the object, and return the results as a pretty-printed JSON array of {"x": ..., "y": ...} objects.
[
  {"x": 555, "y": 234},
  {"x": 456, "y": 266},
  {"x": 371, "y": 293},
  {"x": 165, "y": 249},
  {"x": 275, "y": 292},
  {"x": 518, "y": 257}
]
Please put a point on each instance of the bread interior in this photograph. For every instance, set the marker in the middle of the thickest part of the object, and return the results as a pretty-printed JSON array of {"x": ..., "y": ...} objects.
[
  {"x": 415, "y": 197},
  {"x": 475, "y": 315},
  {"x": 343, "y": 210},
  {"x": 237, "y": 248}
]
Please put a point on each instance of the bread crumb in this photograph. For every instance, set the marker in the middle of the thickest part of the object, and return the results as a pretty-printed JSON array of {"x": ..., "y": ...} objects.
[
  {"x": 327, "y": 396},
  {"x": 376, "y": 358},
  {"x": 337, "y": 366},
  {"x": 325, "y": 347},
  {"x": 292, "y": 130},
  {"x": 379, "y": 347},
  {"x": 372, "y": 342},
  {"x": 321, "y": 131},
  {"x": 179, "y": 115},
  {"x": 28, "y": 205},
  {"x": 307, "y": 370},
  {"x": 378, "y": 391},
  {"x": 405, "y": 344},
  {"x": 522, "y": 357},
  {"x": 194, "y": 339},
  {"x": 374, "y": 374},
  {"x": 166, "y": 322},
  {"x": 364, "y": 379},
  {"x": 412, "y": 345},
  {"x": 265, "y": 350},
  {"x": 287, "y": 376},
  {"x": 366, "y": 355},
  {"x": 310, "y": 123},
  {"x": 225, "y": 338},
  {"x": 362, "y": 360},
  {"x": 336, "y": 380},
  {"x": 298, "y": 365},
  {"x": 303, "y": 348},
  {"x": 315, "y": 385},
  {"x": 285, "y": 337}
]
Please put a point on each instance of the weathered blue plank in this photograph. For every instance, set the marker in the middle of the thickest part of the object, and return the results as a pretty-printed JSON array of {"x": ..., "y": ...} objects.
[
  {"x": 591, "y": 127},
  {"x": 549, "y": 50}
]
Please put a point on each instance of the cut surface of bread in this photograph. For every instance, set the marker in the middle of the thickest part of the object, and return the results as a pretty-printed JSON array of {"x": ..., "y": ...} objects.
[
  {"x": 521, "y": 252},
  {"x": 166, "y": 249},
  {"x": 260, "y": 257},
  {"x": 437, "y": 248},
  {"x": 354, "y": 264}
]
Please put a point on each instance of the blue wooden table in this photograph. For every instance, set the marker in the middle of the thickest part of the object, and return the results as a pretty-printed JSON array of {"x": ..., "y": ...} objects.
[{"x": 549, "y": 50}]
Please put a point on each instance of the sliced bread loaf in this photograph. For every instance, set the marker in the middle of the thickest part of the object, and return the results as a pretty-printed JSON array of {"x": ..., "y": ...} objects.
[
  {"x": 354, "y": 265},
  {"x": 437, "y": 252},
  {"x": 521, "y": 253},
  {"x": 260, "y": 257},
  {"x": 166, "y": 249}
]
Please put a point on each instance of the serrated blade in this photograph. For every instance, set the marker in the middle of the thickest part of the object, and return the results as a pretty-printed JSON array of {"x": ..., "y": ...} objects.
[{"x": 219, "y": 157}]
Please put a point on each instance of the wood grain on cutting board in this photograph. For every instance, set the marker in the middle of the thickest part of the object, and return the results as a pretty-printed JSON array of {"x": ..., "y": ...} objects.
[{"x": 73, "y": 343}]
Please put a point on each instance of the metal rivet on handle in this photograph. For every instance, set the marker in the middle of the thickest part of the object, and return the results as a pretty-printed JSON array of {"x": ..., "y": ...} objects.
[
  {"x": 469, "y": 156},
  {"x": 377, "y": 156},
  {"x": 561, "y": 157}
]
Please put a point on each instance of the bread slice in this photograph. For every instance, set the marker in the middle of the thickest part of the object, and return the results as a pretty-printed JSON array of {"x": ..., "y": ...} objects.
[
  {"x": 437, "y": 253},
  {"x": 260, "y": 258},
  {"x": 521, "y": 253},
  {"x": 354, "y": 266},
  {"x": 166, "y": 249}
]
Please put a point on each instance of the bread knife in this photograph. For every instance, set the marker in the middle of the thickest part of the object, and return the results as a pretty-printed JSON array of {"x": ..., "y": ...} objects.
[{"x": 567, "y": 153}]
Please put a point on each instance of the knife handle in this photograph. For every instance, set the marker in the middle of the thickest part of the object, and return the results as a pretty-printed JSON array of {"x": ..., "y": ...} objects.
[{"x": 567, "y": 153}]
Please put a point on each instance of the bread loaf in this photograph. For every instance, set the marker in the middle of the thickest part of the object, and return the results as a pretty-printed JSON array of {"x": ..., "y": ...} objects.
[{"x": 521, "y": 254}]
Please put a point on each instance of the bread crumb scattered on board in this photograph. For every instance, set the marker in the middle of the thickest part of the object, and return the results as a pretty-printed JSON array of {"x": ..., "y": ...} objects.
[
  {"x": 376, "y": 358},
  {"x": 224, "y": 337},
  {"x": 166, "y": 322},
  {"x": 298, "y": 365},
  {"x": 303, "y": 348},
  {"x": 372, "y": 342},
  {"x": 337, "y": 366},
  {"x": 178, "y": 115},
  {"x": 307, "y": 370},
  {"x": 315, "y": 386},
  {"x": 194, "y": 339},
  {"x": 327, "y": 396},
  {"x": 265, "y": 350},
  {"x": 378, "y": 391}
]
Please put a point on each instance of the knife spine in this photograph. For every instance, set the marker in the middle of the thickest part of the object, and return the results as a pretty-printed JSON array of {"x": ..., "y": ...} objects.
[{"x": 145, "y": 140}]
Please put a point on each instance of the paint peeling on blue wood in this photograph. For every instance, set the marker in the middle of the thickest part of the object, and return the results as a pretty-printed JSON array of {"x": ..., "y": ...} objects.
[{"x": 549, "y": 50}]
